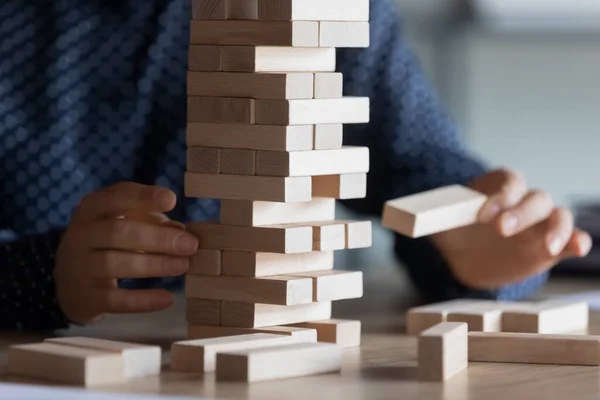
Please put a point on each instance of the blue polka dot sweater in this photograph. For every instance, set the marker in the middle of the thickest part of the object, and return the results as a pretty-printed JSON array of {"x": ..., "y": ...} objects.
[{"x": 93, "y": 92}]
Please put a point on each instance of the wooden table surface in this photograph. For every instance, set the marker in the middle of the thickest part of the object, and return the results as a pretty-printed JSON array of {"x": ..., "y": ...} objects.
[{"x": 383, "y": 367}]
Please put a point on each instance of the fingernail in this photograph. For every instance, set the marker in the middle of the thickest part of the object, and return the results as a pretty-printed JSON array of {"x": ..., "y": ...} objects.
[
  {"x": 555, "y": 245},
  {"x": 186, "y": 244},
  {"x": 179, "y": 266},
  {"x": 509, "y": 224},
  {"x": 585, "y": 246}
]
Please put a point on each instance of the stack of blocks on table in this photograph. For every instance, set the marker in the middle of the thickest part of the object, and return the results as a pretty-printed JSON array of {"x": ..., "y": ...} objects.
[{"x": 264, "y": 135}]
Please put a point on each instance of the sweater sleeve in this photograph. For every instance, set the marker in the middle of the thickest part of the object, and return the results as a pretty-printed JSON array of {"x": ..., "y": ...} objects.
[{"x": 414, "y": 147}]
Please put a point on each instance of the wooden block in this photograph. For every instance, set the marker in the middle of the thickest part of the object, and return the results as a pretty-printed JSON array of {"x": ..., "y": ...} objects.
[
  {"x": 533, "y": 348},
  {"x": 258, "y": 86},
  {"x": 238, "y": 162},
  {"x": 66, "y": 364},
  {"x": 199, "y": 355},
  {"x": 138, "y": 360},
  {"x": 239, "y": 187},
  {"x": 277, "y": 59},
  {"x": 328, "y": 236},
  {"x": 204, "y": 58},
  {"x": 241, "y": 9},
  {"x": 253, "y": 315},
  {"x": 220, "y": 110},
  {"x": 359, "y": 234},
  {"x": 329, "y": 136},
  {"x": 209, "y": 331},
  {"x": 314, "y": 10},
  {"x": 344, "y": 333},
  {"x": 255, "y": 33},
  {"x": 278, "y": 362},
  {"x": 257, "y": 213},
  {"x": 247, "y": 264},
  {"x": 224, "y": 9},
  {"x": 253, "y": 137},
  {"x": 208, "y": 9},
  {"x": 344, "y": 34},
  {"x": 547, "y": 317},
  {"x": 204, "y": 160},
  {"x": 478, "y": 320},
  {"x": 433, "y": 211},
  {"x": 342, "y": 187},
  {"x": 335, "y": 285},
  {"x": 346, "y": 110},
  {"x": 328, "y": 85},
  {"x": 269, "y": 239},
  {"x": 443, "y": 351},
  {"x": 202, "y": 311},
  {"x": 347, "y": 160},
  {"x": 280, "y": 290},
  {"x": 206, "y": 262}
]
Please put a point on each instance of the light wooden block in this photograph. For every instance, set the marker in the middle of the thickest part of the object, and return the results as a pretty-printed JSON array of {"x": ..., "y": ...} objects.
[
  {"x": 205, "y": 58},
  {"x": 253, "y": 315},
  {"x": 204, "y": 160},
  {"x": 328, "y": 85},
  {"x": 278, "y": 362},
  {"x": 224, "y": 9},
  {"x": 347, "y": 160},
  {"x": 443, "y": 351},
  {"x": 248, "y": 264},
  {"x": 255, "y": 33},
  {"x": 329, "y": 136},
  {"x": 240, "y": 187},
  {"x": 257, "y": 213},
  {"x": 478, "y": 320},
  {"x": 548, "y": 317},
  {"x": 221, "y": 110},
  {"x": 328, "y": 236},
  {"x": 533, "y": 348},
  {"x": 210, "y": 331},
  {"x": 344, "y": 333},
  {"x": 269, "y": 239},
  {"x": 202, "y": 311},
  {"x": 342, "y": 187},
  {"x": 280, "y": 290},
  {"x": 277, "y": 59},
  {"x": 252, "y": 137},
  {"x": 335, "y": 285},
  {"x": 238, "y": 162},
  {"x": 346, "y": 110},
  {"x": 359, "y": 234},
  {"x": 314, "y": 10},
  {"x": 433, "y": 211},
  {"x": 206, "y": 262},
  {"x": 139, "y": 360},
  {"x": 66, "y": 364},
  {"x": 344, "y": 34},
  {"x": 199, "y": 355},
  {"x": 258, "y": 86}
]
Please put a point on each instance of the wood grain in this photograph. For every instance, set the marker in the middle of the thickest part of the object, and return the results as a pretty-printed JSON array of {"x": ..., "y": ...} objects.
[
  {"x": 251, "y": 264},
  {"x": 344, "y": 186},
  {"x": 277, "y": 59},
  {"x": 262, "y": 213},
  {"x": 237, "y": 162},
  {"x": 252, "y": 315},
  {"x": 221, "y": 110},
  {"x": 205, "y": 58},
  {"x": 314, "y": 10},
  {"x": 202, "y": 311},
  {"x": 204, "y": 160},
  {"x": 346, "y": 110}
]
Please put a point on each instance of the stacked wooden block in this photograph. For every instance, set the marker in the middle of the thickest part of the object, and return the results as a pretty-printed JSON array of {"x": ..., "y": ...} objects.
[{"x": 264, "y": 135}]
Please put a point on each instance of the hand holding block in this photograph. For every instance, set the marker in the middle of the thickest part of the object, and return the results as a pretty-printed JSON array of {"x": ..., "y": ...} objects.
[
  {"x": 547, "y": 317},
  {"x": 249, "y": 264},
  {"x": 255, "y": 315},
  {"x": 313, "y": 10},
  {"x": 344, "y": 333},
  {"x": 443, "y": 351},
  {"x": 433, "y": 211},
  {"x": 210, "y": 331},
  {"x": 277, "y": 59}
]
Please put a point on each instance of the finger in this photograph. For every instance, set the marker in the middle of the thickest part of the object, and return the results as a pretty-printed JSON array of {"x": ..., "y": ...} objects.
[
  {"x": 121, "y": 301},
  {"x": 154, "y": 218},
  {"x": 114, "y": 264},
  {"x": 120, "y": 234},
  {"x": 559, "y": 230},
  {"x": 535, "y": 207},
  {"x": 579, "y": 245},
  {"x": 505, "y": 190}
]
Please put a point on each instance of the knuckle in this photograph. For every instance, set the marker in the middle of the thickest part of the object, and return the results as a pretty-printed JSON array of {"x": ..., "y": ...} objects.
[
  {"x": 156, "y": 265},
  {"x": 118, "y": 230}
]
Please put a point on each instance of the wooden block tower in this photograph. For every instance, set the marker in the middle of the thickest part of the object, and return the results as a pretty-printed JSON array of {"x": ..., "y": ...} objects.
[{"x": 264, "y": 135}]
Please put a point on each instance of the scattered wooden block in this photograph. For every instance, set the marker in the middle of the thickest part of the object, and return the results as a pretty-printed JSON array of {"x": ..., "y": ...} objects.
[
  {"x": 278, "y": 362},
  {"x": 443, "y": 351},
  {"x": 478, "y": 320},
  {"x": 199, "y": 355},
  {"x": 224, "y": 9},
  {"x": 329, "y": 136},
  {"x": 205, "y": 58},
  {"x": 258, "y": 86},
  {"x": 359, "y": 234},
  {"x": 66, "y": 364},
  {"x": 248, "y": 264},
  {"x": 342, "y": 187},
  {"x": 281, "y": 290},
  {"x": 328, "y": 236},
  {"x": 253, "y": 315},
  {"x": 344, "y": 34},
  {"x": 238, "y": 162},
  {"x": 335, "y": 285},
  {"x": 344, "y": 333},
  {"x": 277, "y": 59},
  {"x": 346, "y": 110},
  {"x": 328, "y": 85},
  {"x": 347, "y": 160},
  {"x": 204, "y": 160},
  {"x": 221, "y": 110},
  {"x": 314, "y": 10},
  {"x": 255, "y": 33},
  {"x": 202, "y": 311},
  {"x": 433, "y": 211},
  {"x": 253, "y": 137},
  {"x": 424, "y": 317},
  {"x": 206, "y": 262},
  {"x": 239, "y": 187},
  {"x": 533, "y": 348},
  {"x": 209, "y": 331},
  {"x": 257, "y": 213},
  {"x": 547, "y": 317},
  {"x": 269, "y": 239},
  {"x": 138, "y": 360}
]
